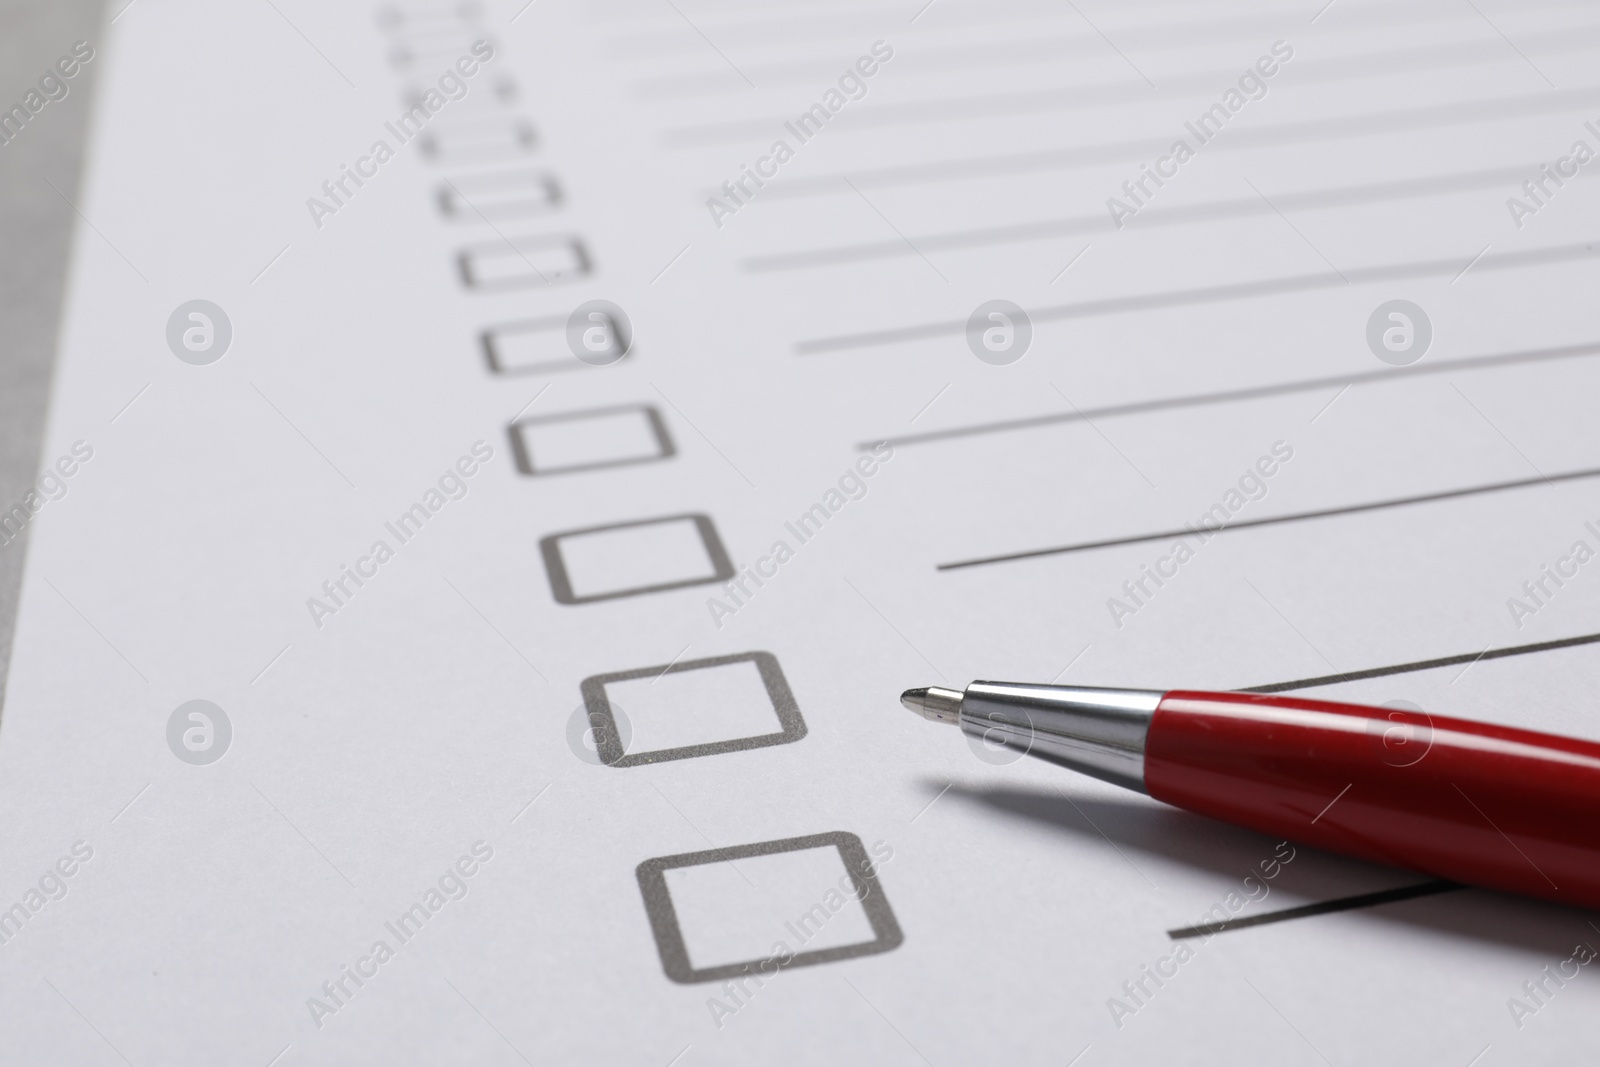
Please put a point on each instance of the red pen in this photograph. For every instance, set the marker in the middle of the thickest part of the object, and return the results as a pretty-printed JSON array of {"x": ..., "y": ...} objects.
[{"x": 1484, "y": 805}]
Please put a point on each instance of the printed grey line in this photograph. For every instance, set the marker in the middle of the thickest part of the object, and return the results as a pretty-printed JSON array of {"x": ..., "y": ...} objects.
[
  {"x": 1330, "y": 403},
  {"x": 96, "y": 229},
  {"x": 885, "y": 1018},
  {"x": 1486, "y": 1048},
  {"x": 932, "y": 802},
  {"x": 268, "y": 667},
  {"x": 1271, "y": 286},
  {"x": 1502, "y": 833},
  {"x": 923, "y": 9},
  {"x": 1472, "y": 663},
  {"x": 683, "y": 1051},
  {"x": 307, "y": 40},
  {"x": 509, "y": 243},
  {"x": 130, "y": 803},
  {"x": 1086, "y": 1048},
  {"x": 1304, "y": 516},
  {"x": 486, "y": 1021},
  {"x": 286, "y": 1048},
  {"x": 1228, "y": 396},
  {"x": 652, "y": 43},
  {"x": 85, "y": 1018},
  {"x": 1331, "y": 803},
  {"x": 896, "y": 229},
  {"x": 1291, "y": 625},
  {"x": 532, "y": 802},
  {"x": 703, "y": 837},
  {"x": 1110, "y": 842},
  {"x": 129, "y": 404},
  {"x": 1094, "y": 94},
  {"x": 671, "y": 663},
  {"x": 124, "y": 10},
  {"x": 1296, "y": 229},
  {"x": 96, "y": 629},
  {"x": 496, "y": 629},
  {"x": 1103, "y": 437},
  {"x": 1285, "y": 1018},
  {"x": 1052, "y": 229},
  {"x": 530, "y": 403},
  {"x": 523, "y": 8},
  {"x": 1069, "y": 666},
  {"x": 303, "y": 437},
  {"x": 1068, "y": 267},
  {"x": 303, "y": 837},
  {"x": 1513, "y": 46},
  {"x": 1470, "y": 265},
  {"x": 1112, "y": 46},
  {"x": 893, "y": 627},
  {"x": 703, "y": 437},
  {"x": 1270, "y": 135},
  {"x": 1501, "y": 432},
  {"x": 268, "y": 267},
  {"x": 929, "y": 404},
  {"x": 1325, "y": 907},
  {"x": 668, "y": 267},
  {"x": 713, "y": 47},
  {"x": 1322, "y": 11}
]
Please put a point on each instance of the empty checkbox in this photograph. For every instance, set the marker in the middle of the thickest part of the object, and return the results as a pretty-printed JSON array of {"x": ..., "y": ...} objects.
[
  {"x": 426, "y": 18},
  {"x": 497, "y": 197},
  {"x": 589, "y": 440},
  {"x": 631, "y": 558},
  {"x": 701, "y": 707},
  {"x": 478, "y": 140},
  {"x": 536, "y": 346},
  {"x": 434, "y": 48},
  {"x": 520, "y": 262},
  {"x": 756, "y": 909},
  {"x": 490, "y": 96}
]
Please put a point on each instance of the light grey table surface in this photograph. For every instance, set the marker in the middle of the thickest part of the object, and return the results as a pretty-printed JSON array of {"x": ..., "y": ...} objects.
[{"x": 37, "y": 223}]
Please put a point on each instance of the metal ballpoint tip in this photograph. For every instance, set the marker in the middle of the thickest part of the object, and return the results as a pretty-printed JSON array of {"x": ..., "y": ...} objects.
[{"x": 934, "y": 704}]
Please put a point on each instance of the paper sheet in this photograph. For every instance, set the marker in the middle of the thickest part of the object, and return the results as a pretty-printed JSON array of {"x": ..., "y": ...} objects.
[{"x": 545, "y": 691}]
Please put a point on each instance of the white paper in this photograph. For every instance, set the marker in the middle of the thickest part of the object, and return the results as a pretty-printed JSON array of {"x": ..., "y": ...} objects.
[{"x": 384, "y": 730}]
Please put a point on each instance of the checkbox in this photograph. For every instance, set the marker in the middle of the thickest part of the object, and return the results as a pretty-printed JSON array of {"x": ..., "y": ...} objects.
[
  {"x": 757, "y": 909},
  {"x": 631, "y": 558},
  {"x": 499, "y": 196},
  {"x": 431, "y": 19},
  {"x": 434, "y": 50},
  {"x": 701, "y": 707},
  {"x": 521, "y": 262},
  {"x": 490, "y": 96},
  {"x": 478, "y": 140},
  {"x": 589, "y": 440},
  {"x": 426, "y": 18},
  {"x": 537, "y": 346}
]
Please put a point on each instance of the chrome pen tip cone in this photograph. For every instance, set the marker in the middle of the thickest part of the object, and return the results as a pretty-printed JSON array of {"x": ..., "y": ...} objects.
[{"x": 934, "y": 703}]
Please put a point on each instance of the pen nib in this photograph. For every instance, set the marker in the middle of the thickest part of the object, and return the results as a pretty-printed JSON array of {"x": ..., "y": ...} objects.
[{"x": 934, "y": 703}]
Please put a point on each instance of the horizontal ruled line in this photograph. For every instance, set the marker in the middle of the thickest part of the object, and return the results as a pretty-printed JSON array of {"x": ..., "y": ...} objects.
[
  {"x": 1364, "y": 900},
  {"x": 1100, "y": 222},
  {"x": 1235, "y": 291},
  {"x": 1427, "y": 664},
  {"x": 1271, "y": 135},
  {"x": 1300, "y": 516},
  {"x": 1255, "y": 392}
]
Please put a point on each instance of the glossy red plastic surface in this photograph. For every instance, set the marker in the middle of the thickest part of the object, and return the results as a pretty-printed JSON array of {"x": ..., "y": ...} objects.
[{"x": 1485, "y": 805}]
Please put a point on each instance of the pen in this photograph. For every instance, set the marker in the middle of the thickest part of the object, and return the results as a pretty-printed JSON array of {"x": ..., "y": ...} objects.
[{"x": 1492, "y": 806}]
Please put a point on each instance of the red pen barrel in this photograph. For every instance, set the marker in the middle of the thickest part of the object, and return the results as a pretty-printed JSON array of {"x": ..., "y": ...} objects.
[{"x": 1485, "y": 805}]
